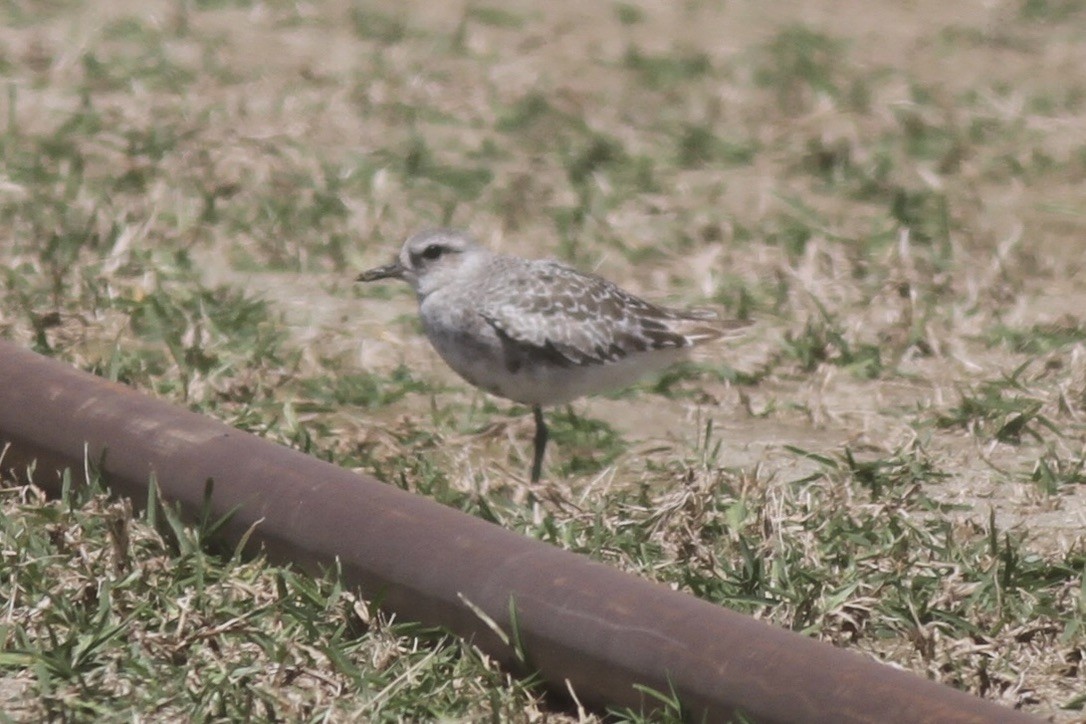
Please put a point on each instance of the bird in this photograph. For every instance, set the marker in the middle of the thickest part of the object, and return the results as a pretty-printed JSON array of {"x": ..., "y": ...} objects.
[{"x": 536, "y": 331}]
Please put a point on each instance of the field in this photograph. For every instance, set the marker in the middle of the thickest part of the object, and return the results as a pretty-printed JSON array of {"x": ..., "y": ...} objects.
[{"x": 892, "y": 460}]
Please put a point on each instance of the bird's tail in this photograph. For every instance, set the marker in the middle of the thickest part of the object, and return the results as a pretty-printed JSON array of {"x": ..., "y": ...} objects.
[{"x": 705, "y": 325}]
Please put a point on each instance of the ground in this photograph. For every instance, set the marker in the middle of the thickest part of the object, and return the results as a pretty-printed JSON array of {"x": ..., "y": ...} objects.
[{"x": 891, "y": 460}]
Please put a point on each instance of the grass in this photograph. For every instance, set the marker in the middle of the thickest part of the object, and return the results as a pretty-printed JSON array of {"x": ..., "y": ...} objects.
[
  {"x": 1002, "y": 409},
  {"x": 892, "y": 461},
  {"x": 121, "y": 617}
]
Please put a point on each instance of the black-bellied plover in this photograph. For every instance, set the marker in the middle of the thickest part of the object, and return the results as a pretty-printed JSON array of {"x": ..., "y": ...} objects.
[{"x": 538, "y": 332}]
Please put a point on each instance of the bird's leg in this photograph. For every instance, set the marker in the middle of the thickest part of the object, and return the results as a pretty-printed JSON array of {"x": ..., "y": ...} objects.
[{"x": 540, "y": 442}]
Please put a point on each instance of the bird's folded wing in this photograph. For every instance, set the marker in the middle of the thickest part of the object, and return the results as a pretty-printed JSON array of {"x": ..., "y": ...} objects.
[{"x": 581, "y": 320}]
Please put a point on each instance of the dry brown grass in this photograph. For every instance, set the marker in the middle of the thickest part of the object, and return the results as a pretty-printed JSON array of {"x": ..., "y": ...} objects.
[{"x": 892, "y": 190}]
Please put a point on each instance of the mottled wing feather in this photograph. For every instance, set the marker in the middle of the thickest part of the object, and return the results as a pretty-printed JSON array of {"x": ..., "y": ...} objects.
[{"x": 573, "y": 319}]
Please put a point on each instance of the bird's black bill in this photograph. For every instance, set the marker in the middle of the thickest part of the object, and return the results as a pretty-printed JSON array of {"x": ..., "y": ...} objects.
[{"x": 388, "y": 271}]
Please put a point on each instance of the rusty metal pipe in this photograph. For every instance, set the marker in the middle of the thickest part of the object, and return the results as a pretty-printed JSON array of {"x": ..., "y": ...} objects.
[{"x": 579, "y": 621}]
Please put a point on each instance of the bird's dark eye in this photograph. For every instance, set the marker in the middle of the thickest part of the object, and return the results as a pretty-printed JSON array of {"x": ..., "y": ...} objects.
[{"x": 433, "y": 251}]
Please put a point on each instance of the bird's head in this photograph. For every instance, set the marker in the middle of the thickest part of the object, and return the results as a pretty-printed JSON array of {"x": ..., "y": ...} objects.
[{"x": 429, "y": 260}]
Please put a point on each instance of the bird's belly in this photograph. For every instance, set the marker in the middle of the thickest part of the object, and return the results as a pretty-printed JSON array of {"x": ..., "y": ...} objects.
[
  {"x": 478, "y": 360},
  {"x": 482, "y": 362},
  {"x": 548, "y": 384}
]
